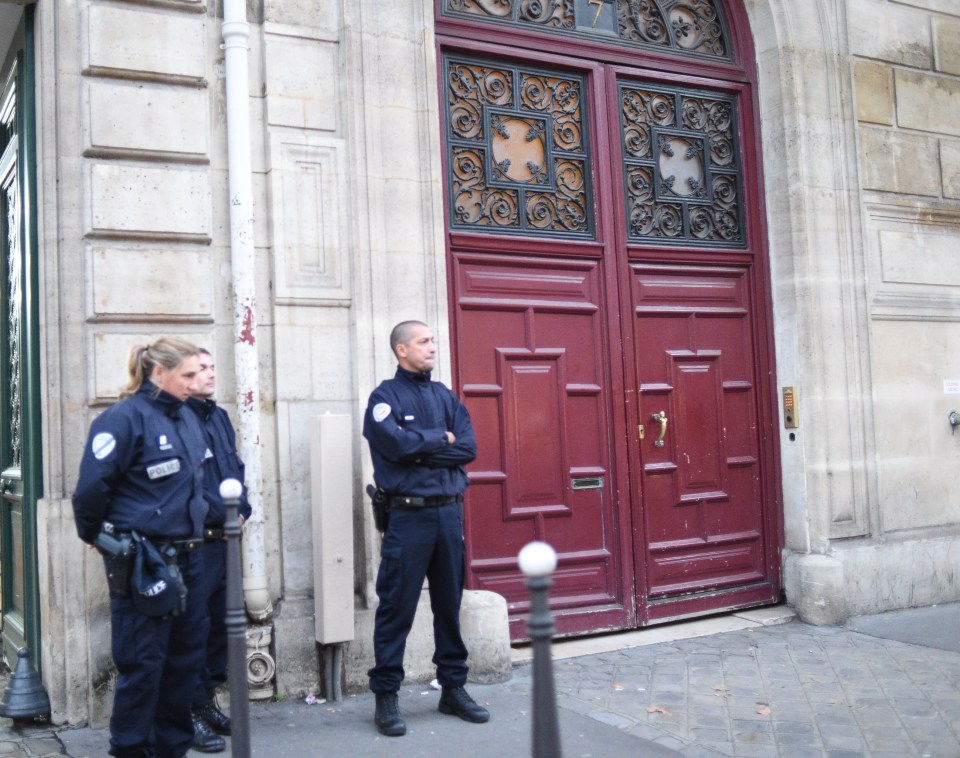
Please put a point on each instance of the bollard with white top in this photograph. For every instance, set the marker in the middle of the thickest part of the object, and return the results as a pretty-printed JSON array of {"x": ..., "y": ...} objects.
[
  {"x": 236, "y": 623},
  {"x": 537, "y": 562}
]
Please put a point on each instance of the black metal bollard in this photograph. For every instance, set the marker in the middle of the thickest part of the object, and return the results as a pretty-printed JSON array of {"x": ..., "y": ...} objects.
[
  {"x": 236, "y": 622},
  {"x": 537, "y": 562}
]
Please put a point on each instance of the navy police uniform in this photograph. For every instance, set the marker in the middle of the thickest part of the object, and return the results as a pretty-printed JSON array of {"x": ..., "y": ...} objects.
[
  {"x": 142, "y": 470},
  {"x": 223, "y": 463},
  {"x": 423, "y": 475}
]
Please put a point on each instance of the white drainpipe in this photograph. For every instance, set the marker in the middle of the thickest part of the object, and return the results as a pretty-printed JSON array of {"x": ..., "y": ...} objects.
[{"x": 236, "y": 33}]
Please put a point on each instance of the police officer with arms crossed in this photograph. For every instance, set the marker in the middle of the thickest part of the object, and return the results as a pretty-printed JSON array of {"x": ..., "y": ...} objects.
[
  {"x": 209, "y": 722},
  {"x": 420, "y": 439},
  {"x": 141, "y": 474}
]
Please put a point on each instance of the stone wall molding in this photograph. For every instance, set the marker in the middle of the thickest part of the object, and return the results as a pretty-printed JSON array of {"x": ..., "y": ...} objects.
[{"x": 310, "y": 210}]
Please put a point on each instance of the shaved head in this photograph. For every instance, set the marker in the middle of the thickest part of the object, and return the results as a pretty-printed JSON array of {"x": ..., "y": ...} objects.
[{"x": 402, "y": 333}]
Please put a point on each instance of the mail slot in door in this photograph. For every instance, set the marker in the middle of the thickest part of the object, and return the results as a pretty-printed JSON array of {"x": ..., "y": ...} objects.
[{"x": 586, "y": 482}]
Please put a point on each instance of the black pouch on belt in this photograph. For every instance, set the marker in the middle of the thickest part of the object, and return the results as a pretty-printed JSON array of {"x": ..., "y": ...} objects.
[{"x": 157, "y": 588}]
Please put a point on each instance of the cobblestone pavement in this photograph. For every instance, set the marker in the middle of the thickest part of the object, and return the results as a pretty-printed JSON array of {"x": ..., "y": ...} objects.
[
  {"x": 31, "y": 742},
  {"x": 789, "y": 690},
  {"x": 794, "y": 690}
]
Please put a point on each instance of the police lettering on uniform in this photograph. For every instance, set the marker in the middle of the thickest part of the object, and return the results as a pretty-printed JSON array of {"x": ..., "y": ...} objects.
[
  {"x": 209, "y": 722},
  {"x": 141, "y": 482},
  {"x": 420, "y": 439}
]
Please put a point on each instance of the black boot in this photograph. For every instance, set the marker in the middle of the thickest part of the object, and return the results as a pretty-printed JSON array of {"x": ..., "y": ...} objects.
[
  {"x": 205, "y": 740},
  {"x": 388, "y": 718},
  {"x": 216, "y": 718},
  {"x": 455, "y": 701}
]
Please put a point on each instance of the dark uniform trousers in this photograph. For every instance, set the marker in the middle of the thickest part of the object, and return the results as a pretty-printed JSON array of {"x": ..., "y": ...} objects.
[
  {"x": 224, "y": 464},
  {"x": 154, "y": 656},
  {"x": 420, "y": 542},
  {"x": 214, "y": 589}
]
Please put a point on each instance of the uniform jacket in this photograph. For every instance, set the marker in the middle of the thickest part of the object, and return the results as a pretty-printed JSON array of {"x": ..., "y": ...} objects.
[
  {"x": 142, "y": 469},
  {"x": 225, "y": 463},
  {"x": 406, "y": 423}
]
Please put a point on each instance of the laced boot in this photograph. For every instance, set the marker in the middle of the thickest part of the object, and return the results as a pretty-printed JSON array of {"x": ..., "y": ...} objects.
[
  {"x": 216, "y": 718},
  {"x": 455, "y": 701},
  {"x": 387, "y": 718},
  {"x": 205, "y": 740}
]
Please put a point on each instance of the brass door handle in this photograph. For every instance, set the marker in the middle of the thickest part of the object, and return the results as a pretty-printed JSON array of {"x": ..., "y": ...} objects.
[{"x": 662, "y": 418}]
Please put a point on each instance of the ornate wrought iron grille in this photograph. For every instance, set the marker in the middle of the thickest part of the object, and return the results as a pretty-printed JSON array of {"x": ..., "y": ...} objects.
[
  {"x": 517, "y": 150},
  {"x": 682, "y": 171},
  {"x": 12, "y": 298},
  {"x": 684, "y": 27},
  {"x": 13, "y": 317}
]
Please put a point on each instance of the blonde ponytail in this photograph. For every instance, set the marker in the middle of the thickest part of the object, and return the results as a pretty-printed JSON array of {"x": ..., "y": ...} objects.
[{"x": 168, "y": 352}]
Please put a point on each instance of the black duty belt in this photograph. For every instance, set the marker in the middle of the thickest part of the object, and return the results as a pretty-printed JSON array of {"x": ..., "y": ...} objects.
[
  {"x": 210, "y": 535},
  {"x": 181, "y": 546},
  {"x": 408, "y": 501}
]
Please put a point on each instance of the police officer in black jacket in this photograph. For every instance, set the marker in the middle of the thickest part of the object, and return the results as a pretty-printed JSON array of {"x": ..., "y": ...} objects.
[
  {"x": 420, "y": 439},
  {"x": 209, "y": 722},
  {"x": 141, "y": 472}
]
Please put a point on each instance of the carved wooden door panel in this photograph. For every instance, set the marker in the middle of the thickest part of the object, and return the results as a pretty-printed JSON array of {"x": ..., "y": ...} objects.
[
  {"x": 534, "y": 374},
  {"x": 700, "y": 500},
  {"x": 695, "y": 351},
  {"x": 532, "y": 313},
  {"x": 609, "y": 309}
]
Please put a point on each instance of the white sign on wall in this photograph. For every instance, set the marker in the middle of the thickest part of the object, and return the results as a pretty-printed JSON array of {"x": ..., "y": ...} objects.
[{"x": 951, "y": 386}]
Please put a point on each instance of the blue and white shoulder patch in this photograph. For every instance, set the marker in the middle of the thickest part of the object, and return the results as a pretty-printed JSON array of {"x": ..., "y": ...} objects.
[
  {"x": 380, "y": 412},
  {"x": 102, "y": 445}
]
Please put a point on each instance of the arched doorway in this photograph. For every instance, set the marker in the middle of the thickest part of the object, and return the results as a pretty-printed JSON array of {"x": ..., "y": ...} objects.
[{"x": 610, "y": 304}]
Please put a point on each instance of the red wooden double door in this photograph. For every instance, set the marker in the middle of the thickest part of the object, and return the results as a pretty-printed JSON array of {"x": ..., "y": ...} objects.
[{"x": 610, "y": 322}]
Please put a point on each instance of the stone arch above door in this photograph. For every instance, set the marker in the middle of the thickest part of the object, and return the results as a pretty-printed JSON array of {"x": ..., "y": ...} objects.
[{"x": 680, "y": 27}]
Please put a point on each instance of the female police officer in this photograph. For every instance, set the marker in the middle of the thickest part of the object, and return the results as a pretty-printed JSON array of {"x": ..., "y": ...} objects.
[{"x": 141, "y": 474}]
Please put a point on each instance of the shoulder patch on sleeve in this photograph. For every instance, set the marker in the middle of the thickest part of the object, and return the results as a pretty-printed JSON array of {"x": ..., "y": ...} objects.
[
  {"x": 380, "y": 412},
  {"x": 102, "y": 445}
]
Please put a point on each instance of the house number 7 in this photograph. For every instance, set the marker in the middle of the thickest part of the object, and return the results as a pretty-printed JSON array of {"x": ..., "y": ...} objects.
[{"x": 599, "y": 4}]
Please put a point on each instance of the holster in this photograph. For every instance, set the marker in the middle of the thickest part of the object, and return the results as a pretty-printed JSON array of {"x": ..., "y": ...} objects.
[
  {"x": 381, "y": 507},
  {"x": 118, "y": 552}
]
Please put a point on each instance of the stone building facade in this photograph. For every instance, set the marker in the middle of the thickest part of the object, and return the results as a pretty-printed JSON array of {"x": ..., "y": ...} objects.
[{"x": 125, "y": 141}]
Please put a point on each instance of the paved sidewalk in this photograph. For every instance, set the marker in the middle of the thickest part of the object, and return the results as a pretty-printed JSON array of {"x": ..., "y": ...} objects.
[
  {"x": 746, "y": 684},
  {"x": 791, "y": 691}
]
